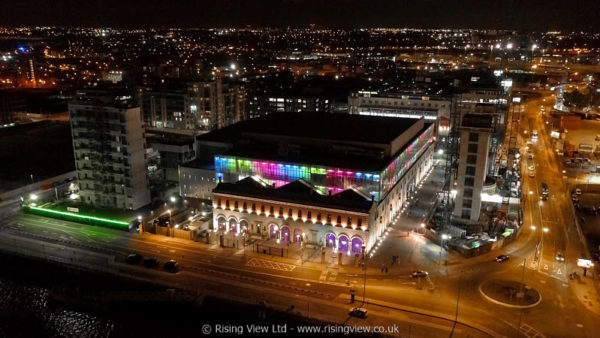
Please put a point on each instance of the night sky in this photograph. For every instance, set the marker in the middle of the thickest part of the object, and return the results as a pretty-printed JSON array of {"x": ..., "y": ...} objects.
[{"x": 512, "y": 14}]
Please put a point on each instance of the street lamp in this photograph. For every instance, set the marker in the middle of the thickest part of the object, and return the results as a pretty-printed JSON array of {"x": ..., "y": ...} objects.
[
  {"x": 546, "y": 229},
  {"x": 532, "y": 227},
  {"x": 173, "y": 199}
]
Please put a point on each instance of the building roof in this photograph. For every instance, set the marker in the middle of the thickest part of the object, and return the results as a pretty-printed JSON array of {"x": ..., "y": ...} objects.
[
  {"x": 300, "y": 192},
  {"x": 319, "y": 126},
  {"x": 480, "y": 121}
]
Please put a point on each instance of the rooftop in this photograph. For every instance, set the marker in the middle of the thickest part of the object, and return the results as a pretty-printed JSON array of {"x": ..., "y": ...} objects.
[
  {"x": 317, "y": 126},
  {"x": 298, "y": 191},
  {"x": 480, "y": 121}
]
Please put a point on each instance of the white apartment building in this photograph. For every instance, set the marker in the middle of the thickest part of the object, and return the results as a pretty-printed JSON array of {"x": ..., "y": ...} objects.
[{"x": 109, "y": 146}]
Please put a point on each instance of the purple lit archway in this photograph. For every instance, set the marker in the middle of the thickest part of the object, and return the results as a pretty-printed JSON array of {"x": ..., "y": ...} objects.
[
  {"x": 343, "y": 243},
  {"x": 357, "y": 244},
  {"x": 285, "y": 234},
  {"x": 330, "y": 240}
]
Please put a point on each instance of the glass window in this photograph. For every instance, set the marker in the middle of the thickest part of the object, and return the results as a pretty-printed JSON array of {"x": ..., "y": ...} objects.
[
  {"x": 227, "y": 203},
  {"x": 271, "y": 210},
  {"x": 472, "y": 148},
  {"x": 349, "y": 221},
  {"x": 299, "y": 213},
  {"x": 471, "y": 159},
  {"x": 469, "y": 181},
  {"x": 473, "y": 137},
  {"x": 467, "y": 203},
  {"x": 360, "y": 222},
  {"x": 328, "y": 218},
  {"x": 470, "y": 171},
  {"x": 339, "y": 219},
  {"x": 262, "y": 208},
  {"x": 468, "y": 193},
  {"x": 309, "y": 214},
  {"x": 466, "y": 213},
  {"x": 319, "y": 216}
]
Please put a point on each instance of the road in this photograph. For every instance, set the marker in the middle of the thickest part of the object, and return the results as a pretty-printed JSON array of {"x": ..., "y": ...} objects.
[{"x": 422, "y": 307}]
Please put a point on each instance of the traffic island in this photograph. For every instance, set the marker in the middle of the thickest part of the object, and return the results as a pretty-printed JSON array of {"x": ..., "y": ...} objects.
[{"x": 510, "y": 293}]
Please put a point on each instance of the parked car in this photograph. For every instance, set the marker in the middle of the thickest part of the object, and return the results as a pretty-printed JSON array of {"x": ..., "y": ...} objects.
[
  {"x": 134, "y": 258},
  {"x": 502, "y": 258},
  {"x": 559, "y": 257},
  {"x": 358, "y": 312},
  {"x": 172, "y": 266},
  {"x": 577, "y": 191},
  {"x": 151, "y": 262},
  {"x": 419, "y": 274}
]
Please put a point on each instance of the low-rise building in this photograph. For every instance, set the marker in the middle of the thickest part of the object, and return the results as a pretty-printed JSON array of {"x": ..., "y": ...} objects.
[{"x": 296, "y": 213}]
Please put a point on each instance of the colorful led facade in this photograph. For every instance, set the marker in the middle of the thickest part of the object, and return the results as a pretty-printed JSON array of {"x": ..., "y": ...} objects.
[
  {"x": 405, "y": 160},
  {"x": 378, "y": 184},
  {"x": 230, "y": 169}
]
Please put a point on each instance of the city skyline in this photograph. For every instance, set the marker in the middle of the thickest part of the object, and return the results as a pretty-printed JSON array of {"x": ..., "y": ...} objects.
[{"x": 538, "y": 15}]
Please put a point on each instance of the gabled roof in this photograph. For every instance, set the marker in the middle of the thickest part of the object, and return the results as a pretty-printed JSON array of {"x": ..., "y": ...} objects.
[{"x": 300, "y": 192}]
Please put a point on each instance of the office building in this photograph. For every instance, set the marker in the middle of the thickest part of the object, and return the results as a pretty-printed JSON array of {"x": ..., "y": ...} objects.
[
  {"x": 109, "y": 146},
  {"x": 432, "y": 108}
]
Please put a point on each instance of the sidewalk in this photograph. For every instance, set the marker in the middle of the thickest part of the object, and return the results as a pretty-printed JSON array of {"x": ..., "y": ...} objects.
[{"x": 584, "y": 289}]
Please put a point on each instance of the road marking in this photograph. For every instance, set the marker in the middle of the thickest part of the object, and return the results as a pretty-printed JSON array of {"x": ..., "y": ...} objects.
[
  {"x": 323, "y": 275},
  {"x": 262, "y": 263}
]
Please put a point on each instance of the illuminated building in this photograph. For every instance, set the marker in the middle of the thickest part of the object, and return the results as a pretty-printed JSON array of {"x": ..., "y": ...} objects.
[
  {"x": 195, "y": 106},
  {"x": 378, "y": 156},
  {"x": 294, "y": 214},
  {"x": 432, "y": 108},
  {"x": 108, "y": 141},
  {"x": 473, "y": 167}
]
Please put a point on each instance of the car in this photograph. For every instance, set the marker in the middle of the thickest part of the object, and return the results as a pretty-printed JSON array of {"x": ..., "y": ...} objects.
[
  {"x": 531, "y": 173},
  {"x": 577, "y": 191},
  {"x": 171, "y": 266},
  {"x": 419, "y": 274},
  {"x": 502, "y": 258},
  {"x": 151, "y": 262},
  {"x": 358, "y": 312},
  {"x": 530, "y": 156},
  {"x": 559, "y": 257},
  {"x": 134, "y": 258}
]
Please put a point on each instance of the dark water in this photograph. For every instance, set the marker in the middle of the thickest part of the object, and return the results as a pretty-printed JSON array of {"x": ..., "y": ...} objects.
[{"x": 27, "y": 311}]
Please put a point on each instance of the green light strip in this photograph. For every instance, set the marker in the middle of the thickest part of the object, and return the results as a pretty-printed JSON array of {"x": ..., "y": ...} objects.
[{"x": 80, "y": 216}]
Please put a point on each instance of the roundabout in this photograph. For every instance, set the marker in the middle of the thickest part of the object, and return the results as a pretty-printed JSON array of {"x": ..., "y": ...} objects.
[{"x": 510, "y": 293}]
